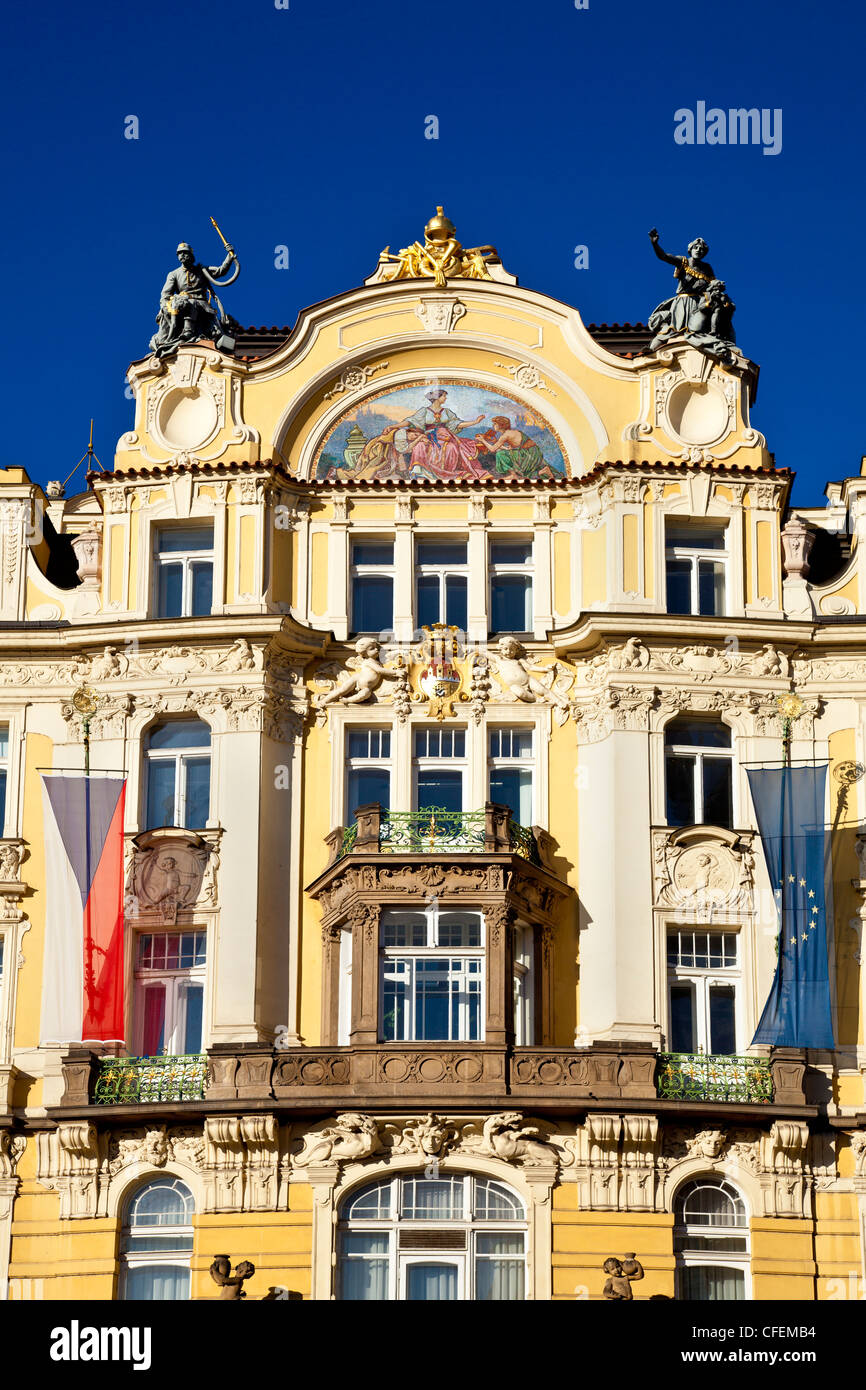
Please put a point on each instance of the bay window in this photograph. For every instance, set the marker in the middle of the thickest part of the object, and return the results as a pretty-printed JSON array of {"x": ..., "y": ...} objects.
[{"x": 432, "y": 976}]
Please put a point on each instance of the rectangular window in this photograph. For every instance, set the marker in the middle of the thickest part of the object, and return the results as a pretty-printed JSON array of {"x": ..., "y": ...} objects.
[
  {"x": 368, "y": 768},
  {"x": 169, "y": 992},
  {"x": 510, "y": 766},
  {"x": 699, "y": 773},
  {"x": 524, "y": 987},
  {"x": 184, "y": 571},
  {"x": 703, "y": 978},
  {"x": 372, "y": 578},
  {"x": 510, "y": 574},
  {"x": 696, "y": 564},
  {"x": 440, "y": 768},
  {"x": 432, "y": 976},
  {"x": 441, "y": 579}
]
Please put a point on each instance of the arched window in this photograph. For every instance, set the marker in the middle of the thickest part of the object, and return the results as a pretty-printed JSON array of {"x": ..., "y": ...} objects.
[
  {"x": 698, "y": 772},
  {"x": 711, "y": 1241},
  {"x": 429, "y": 1239},
  {"x": 177, "y": 758},
  {"x": 156, "y": 1242}
]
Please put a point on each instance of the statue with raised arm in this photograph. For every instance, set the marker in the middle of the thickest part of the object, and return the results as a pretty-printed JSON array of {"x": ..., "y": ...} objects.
[
  {"x": 700, "y": 311},
  {"x": 189, "y": 308}
]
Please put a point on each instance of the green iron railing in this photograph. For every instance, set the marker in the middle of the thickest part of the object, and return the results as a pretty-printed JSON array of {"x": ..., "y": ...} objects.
[
  {"x": 523, "y": 842},
  {"x": 701, "y": 1076},
  {"x": 434, "y": 829},
  {"x": 350, "y": 835},
  {"x": 145, "y": 1080}
]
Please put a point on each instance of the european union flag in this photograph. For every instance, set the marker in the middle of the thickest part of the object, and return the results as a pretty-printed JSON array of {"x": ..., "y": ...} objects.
[{"x": 789, "y": 805}]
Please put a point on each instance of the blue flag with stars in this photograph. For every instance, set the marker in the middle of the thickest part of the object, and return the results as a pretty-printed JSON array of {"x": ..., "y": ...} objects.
[{"x": 789, "y": 805}]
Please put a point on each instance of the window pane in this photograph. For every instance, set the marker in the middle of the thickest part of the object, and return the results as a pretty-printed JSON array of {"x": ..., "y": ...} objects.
[
  {"x": 197, "y": 792},
  {"x": 395, "y": 1010},
  {"x": 410, "y": 931},
  {"x": 679, "y": 586},
  {"x": 160, "y": 793},
  {"x": 723, "y": 1034},
  {"x": 511, "y": 603},
  {"x": 4, "y": 740},
  {"x": 373, "y": 553},
  {"x": 494, "y": 1202},
  {"x": 455, "y": 601},
  {"x": 440, "y": 787},
  {"x": 698, "y": 733},
  {"x": 429, "y": 1283},
  {"x": 455, "y": 929},
  {"x": 512, "y": 786},
  {"x": 711, "y": 588},
  {"x": 169, "y": 603},
  {"x": 432, "y": 991},
  {"x": 429, "y": 1199},
  {"x": 372, "y": 603},
  {"x": 162, "y": 1203},
  {"x": 428, "y": 600},
  {"x": 154, "y": 1021},
  {"x": 368, "y": 784},
  {"x": 371, "y": 1202},
  {"x": 682, "y": 1019},
  {"x": 364, "y": 1267},
  {"x": 156, "y": 1283},
  {"x": 2, "y": 800},
  {"x": 680, "y": 790},
  {"x": 697, "y": 537},
  {"x": 441, "y": 553},
  {"x": 718, "y": 802},
  {"x": 192, "y": 1032},
  {"x": 180, "y": 733},
  {"x": 202, "y": 588},
  {"x": 707, "y": 1283},
  {"x": 185, "y": 538},
  {"x": 511, "y": 552}
]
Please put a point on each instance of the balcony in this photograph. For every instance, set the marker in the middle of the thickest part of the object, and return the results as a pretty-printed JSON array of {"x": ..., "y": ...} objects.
[
  {"x": 697, "y": 1076},
  {"x": 149, "y": 1080},
  {"x": 436, "y": 830}
]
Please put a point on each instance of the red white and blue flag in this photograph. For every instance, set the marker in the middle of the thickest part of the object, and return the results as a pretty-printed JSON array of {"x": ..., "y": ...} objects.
[{"x": 82, "y": 981}]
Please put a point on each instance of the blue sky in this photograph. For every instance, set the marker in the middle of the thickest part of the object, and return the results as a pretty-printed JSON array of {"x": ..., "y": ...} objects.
[{"x": 305, "y": 127}]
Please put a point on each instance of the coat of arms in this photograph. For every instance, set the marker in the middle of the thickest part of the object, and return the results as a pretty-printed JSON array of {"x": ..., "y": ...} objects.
[{"x": 440, "y": 678}]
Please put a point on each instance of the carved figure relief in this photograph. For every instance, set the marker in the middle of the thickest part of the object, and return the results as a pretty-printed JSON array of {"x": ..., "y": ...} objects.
[
  {"x": 529, "y": 683},
  {"x": 167, "y": 873},
  {"x": 363, "y": 676}
]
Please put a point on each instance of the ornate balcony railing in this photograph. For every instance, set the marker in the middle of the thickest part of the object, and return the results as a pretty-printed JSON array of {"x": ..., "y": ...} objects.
[
  {"x": 437, "y": 830},
  {"x": 701, "y": 1076},
  {"x": 146, "y": 1080}
]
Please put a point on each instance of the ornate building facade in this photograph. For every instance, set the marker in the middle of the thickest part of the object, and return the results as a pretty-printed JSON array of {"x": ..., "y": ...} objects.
[{"x": 434, "y": 638}]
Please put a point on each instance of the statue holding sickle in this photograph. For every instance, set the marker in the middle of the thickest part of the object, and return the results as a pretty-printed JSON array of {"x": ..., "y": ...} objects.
[{"x": 189, "y": 307}]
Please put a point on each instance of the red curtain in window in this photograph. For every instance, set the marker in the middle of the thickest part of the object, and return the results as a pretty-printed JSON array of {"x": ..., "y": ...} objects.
[{"x": 154, "y": 1021}]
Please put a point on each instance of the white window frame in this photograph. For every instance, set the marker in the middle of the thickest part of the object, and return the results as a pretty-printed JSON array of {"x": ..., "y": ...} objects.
[
  {"x": 497, "y": 568},
  {"x": 186, "y": 558},
  {"x": 445, "y": 762},
  {"x": 433, "y": 951},
  {"x": 375, "y": 762},
  {"x": 695, "y": 554},
  {"x": 522, "y": 762},
  {"x": 176, "y": 984},
  {"x": 441, "y": 571},
  {"x": 374, "y": 571},
  {"x": 466, "y": 1259},
  {"x": 179, "y": 757},
  {"x": 713, "y": 1259},
  {"x": 6, "y": 767},
  {"x": 702, "y": 980},
  {"x": 699, "y": 752}
]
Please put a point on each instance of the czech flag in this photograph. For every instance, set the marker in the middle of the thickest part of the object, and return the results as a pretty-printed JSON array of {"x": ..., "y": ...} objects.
[{"x": 82, "y": 980}]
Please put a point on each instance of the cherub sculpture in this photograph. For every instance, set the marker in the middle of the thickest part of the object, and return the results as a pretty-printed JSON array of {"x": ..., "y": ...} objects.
[
  {"x": 363, "y": 675},
  {"x": 517, "y": 676},
  {"x": 621, "y": 1274},
  {"x": 231, "y": 1285}
]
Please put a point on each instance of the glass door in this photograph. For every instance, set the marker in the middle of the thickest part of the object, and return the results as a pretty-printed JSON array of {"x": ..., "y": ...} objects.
[{"x": 426, "y": 1280}]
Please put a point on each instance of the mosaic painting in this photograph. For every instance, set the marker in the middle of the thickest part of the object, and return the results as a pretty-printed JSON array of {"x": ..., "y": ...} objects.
[{"x": 447, "y": 430}]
